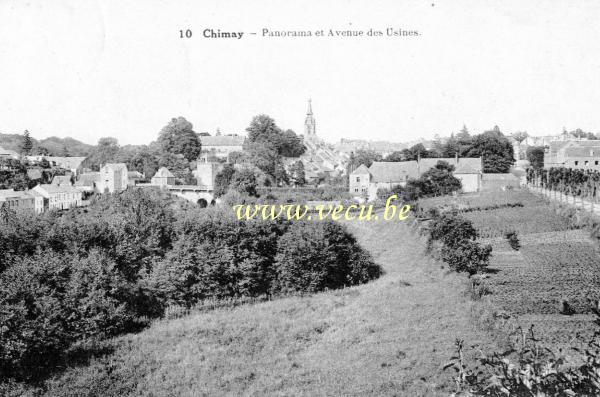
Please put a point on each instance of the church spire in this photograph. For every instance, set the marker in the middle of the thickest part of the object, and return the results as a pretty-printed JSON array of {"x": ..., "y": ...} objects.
[{"x": 310, "y": 125}]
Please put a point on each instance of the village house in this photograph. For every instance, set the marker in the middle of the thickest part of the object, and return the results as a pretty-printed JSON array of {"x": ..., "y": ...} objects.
[
  {"x": 364, "y": 182},
  {"x": 73, "y": 164},
  {"x": 113, "y": 178},
  {"x": 22, "y": 201},
  {"x": 8, "y": 154},
  {"x": 163, "y": 177},
  {"x": 60, "y": 197}
]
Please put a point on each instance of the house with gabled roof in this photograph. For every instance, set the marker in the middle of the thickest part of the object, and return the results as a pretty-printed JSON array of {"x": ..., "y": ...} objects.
[
  {"x": 163, "y": 177},
  {"x": 364, "y": 182}
]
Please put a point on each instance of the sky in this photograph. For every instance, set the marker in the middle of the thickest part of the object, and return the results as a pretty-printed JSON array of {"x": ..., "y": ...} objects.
[{"x": 89, "y": 69}]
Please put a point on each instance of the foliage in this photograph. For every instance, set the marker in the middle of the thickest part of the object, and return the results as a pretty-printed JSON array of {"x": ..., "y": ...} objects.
[
  {"x": 13, "y": 175},
  {"x": 535, "y": 155},
  {"x": 362, "y": 156},
  {"x": 297, "y": 175},
  {"x": 529, "y": 369},
  {"x": 26, "y": 144},
  {"x": 513, "y": 240},
  {"x": 459, "y": 248},
  {"x": 178, "y": 137},
  {"x": 223, "y": 179},
  {"x": 244, "y": 181},
  {"x": 312, "y": 257},
  {"x": 267, "y": 143},
  {"x": 496, "y": 150}
]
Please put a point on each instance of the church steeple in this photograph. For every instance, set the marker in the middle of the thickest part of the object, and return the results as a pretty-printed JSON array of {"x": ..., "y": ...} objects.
[{"x": 310, "y": 125}]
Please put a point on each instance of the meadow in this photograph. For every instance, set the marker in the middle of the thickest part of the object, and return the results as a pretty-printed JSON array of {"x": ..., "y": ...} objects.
[{"x": 391, "y": 336}]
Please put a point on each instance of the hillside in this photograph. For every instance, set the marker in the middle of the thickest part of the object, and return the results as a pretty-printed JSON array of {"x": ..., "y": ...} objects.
[
  {"x": 55, "y": 145},
  {"x": 388, "y": 337}
]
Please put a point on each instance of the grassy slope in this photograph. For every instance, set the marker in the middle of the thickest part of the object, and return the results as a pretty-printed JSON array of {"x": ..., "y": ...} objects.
[{"x": 389, "y": 337}]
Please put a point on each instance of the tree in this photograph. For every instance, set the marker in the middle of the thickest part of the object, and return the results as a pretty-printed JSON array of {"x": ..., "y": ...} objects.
[
  {"x": 291, "y": 144},
  {"x": 297, "y": 174},
  {"x": 451, "y": 148},
  {"x": 535, "y": 155},
  {"x": 395, "y": 156},
  {"x": 363, "y": 156},
  {"x": 496, "y": 150},
  {"x": 520, "y": 136},
  {"x": 178, "y": 137},
  {"x": 223, "y": 179},
  {"x": 244, "y": 181},
  {"x": 26, "y": 144},
  {"x": 105, "y": 152}
]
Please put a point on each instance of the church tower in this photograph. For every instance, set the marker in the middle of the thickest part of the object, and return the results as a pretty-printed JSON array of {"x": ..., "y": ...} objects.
[{"x": 310, "y": 125}]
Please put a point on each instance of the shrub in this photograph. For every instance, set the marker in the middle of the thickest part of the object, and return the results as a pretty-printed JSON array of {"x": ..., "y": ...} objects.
[
  {"x": 451, "y": 229},
  {"x": 513, "y": 240},
  {"x": 314, "y": 256},
  {"x": 467, "y": 256}
]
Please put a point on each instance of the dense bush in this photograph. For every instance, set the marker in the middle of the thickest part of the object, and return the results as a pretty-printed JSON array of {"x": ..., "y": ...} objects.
[
  {"x": 90, "y": 273},
  {"x": 513, "y": 240},
  {"x": 315, "y": 256},
  {"x": 451, "y": 229},
  {"x": 459, "y": 248},
  {"x": 467, "y": 256}
]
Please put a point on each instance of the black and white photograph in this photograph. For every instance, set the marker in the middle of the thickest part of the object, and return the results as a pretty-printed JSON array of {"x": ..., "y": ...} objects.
[{"x": 299, "y": 198}]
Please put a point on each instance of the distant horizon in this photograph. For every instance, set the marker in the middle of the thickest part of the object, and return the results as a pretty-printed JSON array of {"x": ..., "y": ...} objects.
[
  {"x": 82, "y": 69},
  {"x": 213, "y": 133}
]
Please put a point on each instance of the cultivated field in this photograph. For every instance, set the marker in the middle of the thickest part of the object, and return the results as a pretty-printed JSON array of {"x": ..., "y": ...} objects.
[
  {"x": 556, "y": 262},
  {"x": 388, "y": 337}
]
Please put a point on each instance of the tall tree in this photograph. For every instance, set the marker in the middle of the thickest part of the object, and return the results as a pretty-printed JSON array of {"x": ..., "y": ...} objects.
[
  {"x": 26, "y": 144},
  {"x": 496, "y": 150},
  {"x": 178, "y": 137}
]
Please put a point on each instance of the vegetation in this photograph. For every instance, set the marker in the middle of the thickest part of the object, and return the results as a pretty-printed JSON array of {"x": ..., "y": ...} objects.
[
  {"x": 86, "y": 274},
  {"x": 384, "y": 338},
  {"x": 459, "y": 250}
]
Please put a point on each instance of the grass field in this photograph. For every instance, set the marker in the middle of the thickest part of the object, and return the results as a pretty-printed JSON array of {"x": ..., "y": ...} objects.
[{"x": 388, "y": 337}]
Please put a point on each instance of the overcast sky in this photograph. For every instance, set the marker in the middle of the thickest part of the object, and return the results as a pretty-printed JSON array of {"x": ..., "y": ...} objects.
[{"x": 89, "y": 69}]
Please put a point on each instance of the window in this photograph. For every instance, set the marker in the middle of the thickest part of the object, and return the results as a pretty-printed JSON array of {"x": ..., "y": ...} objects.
[
  {"x": 576, "y": 162},
  {"x": 358, "y": 179},
  {"x": 356, "y": 190},
  {"x": 596, "y": 162},
  {"x": 586, "y": 162}
]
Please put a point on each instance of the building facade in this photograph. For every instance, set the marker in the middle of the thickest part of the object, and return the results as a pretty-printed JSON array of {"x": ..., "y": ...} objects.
[
  {"x": 113, "y": 178},
  {"x": 582, "y": 154},
  {"x": 163, "y": 177},
  {"x": 60, "y": 197},
  {"x": 364, "y": 182}
]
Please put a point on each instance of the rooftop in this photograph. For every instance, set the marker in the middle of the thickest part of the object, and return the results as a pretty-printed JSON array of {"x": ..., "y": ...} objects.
[{"x": 222, "y": 140}]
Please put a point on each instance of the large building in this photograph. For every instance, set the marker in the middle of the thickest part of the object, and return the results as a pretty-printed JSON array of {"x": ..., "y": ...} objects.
[
  {"x": 22, "y": 201},
  {"x": 364, "y": 182},
  {"x": 221, "y": 146},
  {"x": 60, "y": 197},
  {"x": 583, "y": 154}
]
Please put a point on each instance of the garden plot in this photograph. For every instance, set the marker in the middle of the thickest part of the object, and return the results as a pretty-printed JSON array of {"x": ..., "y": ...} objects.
[{"x": 536, "y": 279}]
